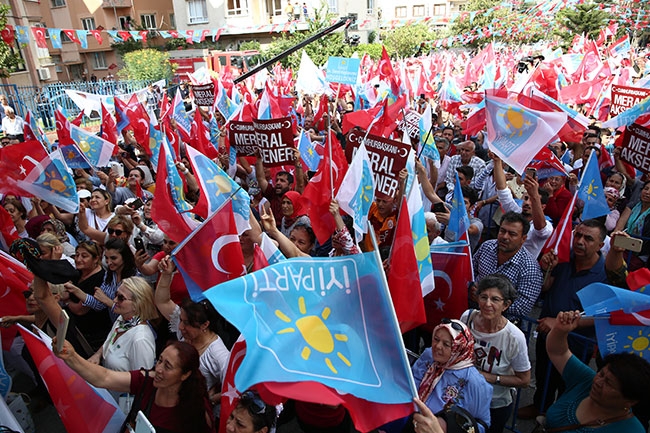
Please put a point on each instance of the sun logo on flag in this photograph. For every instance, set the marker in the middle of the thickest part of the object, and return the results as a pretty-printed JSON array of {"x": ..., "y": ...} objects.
[
  {"x": 515, "y": 122},
  {"x": 316, "y": 334},
  {"x": 639, "y": 344},
  {"x": 591, "y": 189}
]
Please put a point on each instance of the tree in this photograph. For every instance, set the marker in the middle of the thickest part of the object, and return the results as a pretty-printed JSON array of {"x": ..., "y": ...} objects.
[
  {"x": 147, "y": 64},
  {"x": 585, "y": 18},
  {"x": 9, "y": 59},
  {"x": 405, "y": 41}
]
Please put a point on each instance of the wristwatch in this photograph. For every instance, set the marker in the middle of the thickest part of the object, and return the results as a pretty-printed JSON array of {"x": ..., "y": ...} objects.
[{"x": 497, "y": 381}]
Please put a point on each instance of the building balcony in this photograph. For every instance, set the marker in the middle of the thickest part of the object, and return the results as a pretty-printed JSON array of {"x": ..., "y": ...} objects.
[{"x": 117, "y": 4}]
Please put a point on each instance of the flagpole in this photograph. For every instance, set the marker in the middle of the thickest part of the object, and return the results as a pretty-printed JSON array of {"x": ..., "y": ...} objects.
[{"x": 384, "y": 284}]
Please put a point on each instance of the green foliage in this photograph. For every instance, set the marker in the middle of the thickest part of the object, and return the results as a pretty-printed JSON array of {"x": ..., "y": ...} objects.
[
  {"x": 405, "y": 41},
  {"x": 319, "y": 51},
  {"x": 173, "y": 44},
  {"x": 147, "y": 64},
  {"x": 372, "y": 36},
  {"x": 373, "y": 50},
  {"x": 9, "y": 59},
  {"x": 127, "y": 46},
  {"x": 250, "y": 45},
  {"x": 586, "y": 18}
]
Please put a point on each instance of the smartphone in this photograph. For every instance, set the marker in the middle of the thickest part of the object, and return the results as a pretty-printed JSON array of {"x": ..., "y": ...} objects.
[
  {"x": 142, "y": 424},
  {"x": 630, "y": 244},
  {"x": 139, "y": 244},
  {"x": 532, "y": 172},
  {"x": 440, "y": 207},
  {"x": 136, "y": 204},
  {"x": 61, "y": 330}
]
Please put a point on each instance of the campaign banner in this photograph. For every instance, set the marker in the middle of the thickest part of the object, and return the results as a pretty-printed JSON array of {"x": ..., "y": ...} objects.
[
  {"x": 242, "y": 136},
  {"x": 387, "y": 159},
  {"x": 636, "y": 147},
  {"x": 410, "y": 124},
  {"x": 275, "y": 141},
  {"x": 624, "y": 97},
  {"x": 204, "y": 94},
  {"x": 342, "y": 70}
]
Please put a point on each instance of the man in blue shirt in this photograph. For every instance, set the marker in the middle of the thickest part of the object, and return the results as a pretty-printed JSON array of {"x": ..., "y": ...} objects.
[{"x": 586, "y": 266}]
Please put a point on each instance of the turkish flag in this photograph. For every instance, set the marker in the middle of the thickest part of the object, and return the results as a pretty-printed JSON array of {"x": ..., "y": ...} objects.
[
  {"x": 318, "y": 192},
  {"x": 216, "y": 242},
  {"x": 16, "y": 162},
  {"x": 640, "y": 318},
  {"x": 39, "y": 37},
  {"x": 109, "y": 127},
  {"x": 560, "y": 240},
  {"x": 124, "y": 35},
  {"x": 452, "y": 272},
  {"x": 14, "y": 280},
  {"x": 403, "y": 275},
  {"x": 8, "y": 35},
  {"x": 8, "y": 232},
  {"x": 200, "y": 137},
  {"x": 62, "y": 128},
  {"x": 98, "y": 36},
  {"x": 139, "y": 121},
  {"x": 72, "y": 35},
  {"x": 143, "y": 34}
]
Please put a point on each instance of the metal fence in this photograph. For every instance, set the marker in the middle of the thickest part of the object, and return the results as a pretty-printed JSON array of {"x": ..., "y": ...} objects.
[{"x": 24, "y": 98}]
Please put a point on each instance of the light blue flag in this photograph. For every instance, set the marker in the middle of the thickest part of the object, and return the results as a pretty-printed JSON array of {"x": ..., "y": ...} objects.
[
  {"x": 628, "y": 116},
  {"x": 113, "y": 34},
  {"x": 22, "y": 34},
  {"x": 155, "y": 140},
  {"x": 219, "y": 188},
  {"x": 458, "y": 218},
  {"x": 308, "y": 152},
  {"x": 53, "y": 182},
  {"x": 165, "y": 34},
  {"x": 598, "y": 300},
  {"x": 135, "y": 35},
  {"x": 82, "y": 35},
  {"x": 327, "y": 320},
  {"x": 591, "y": 190},
  {"x": 428, "y": 147},
  {"x": 357, "y": 191},
  {"x": 96, "y": 149},
  {"x": 55, "y": 37},
  {"x": 174, "y": 179}
]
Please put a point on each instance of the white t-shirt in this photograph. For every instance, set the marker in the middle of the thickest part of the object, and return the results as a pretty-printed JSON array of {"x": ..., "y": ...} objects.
[
  {"x": 133, "y": 350},
  {"x": 503, "y": 352},
  {"x": 96, "y": 222}
]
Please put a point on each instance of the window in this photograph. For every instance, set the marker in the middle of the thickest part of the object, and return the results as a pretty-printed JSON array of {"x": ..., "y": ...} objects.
[
  {"x": 99, "y": 60},
  {"x": 197, "y": 11},
  {"x": 418, "y": 11},
  {"x": 274, "y": 7},
  {"x": 400, "y": 12},
  {"x": 58, "y": 61},
  {"x": 172, "y": 21},
  {"x": 439, "y": 10},
  {"x": 88, "y": 23},
  {"x": 21, "y": 66},
  {"x": 148, "y": 21},
  {"x": 125, "y": 22},
  {"x": 64, "y": 37},
  {"x": 58, "y": 3},
  {"x": 237, "y": 7},
  {"x": 370, "y": 4},
  {"x": 333, "y": 6}
]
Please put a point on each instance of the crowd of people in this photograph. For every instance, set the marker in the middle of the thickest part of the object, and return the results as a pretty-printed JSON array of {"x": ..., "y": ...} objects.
[{"x": 135, "y": 331}]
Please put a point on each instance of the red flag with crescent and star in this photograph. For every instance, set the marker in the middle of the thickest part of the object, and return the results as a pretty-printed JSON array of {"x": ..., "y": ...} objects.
[
  {"x": 39, "y": 37},
  {"x": 217, "y": 245}
]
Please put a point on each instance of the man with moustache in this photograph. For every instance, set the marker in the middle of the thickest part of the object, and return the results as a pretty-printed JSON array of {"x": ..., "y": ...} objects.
[
  {"x": 506, "y": 255},
  {"x": 586, "y": 266}
]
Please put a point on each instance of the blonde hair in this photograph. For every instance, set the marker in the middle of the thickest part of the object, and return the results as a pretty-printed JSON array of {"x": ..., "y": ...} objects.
[
  {"x": 56, "y": 289},
  {"x": 142, "y": 296},
  {"x": 48, "y": 240}
]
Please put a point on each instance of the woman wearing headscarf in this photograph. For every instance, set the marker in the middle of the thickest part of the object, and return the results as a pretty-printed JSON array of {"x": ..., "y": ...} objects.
[
  {"x": 445, "y": 374},
  {"x": 293, "y": 212}
]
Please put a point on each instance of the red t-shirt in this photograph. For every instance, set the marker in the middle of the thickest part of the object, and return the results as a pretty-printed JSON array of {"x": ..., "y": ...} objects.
[{"x": 177, "y": 289}]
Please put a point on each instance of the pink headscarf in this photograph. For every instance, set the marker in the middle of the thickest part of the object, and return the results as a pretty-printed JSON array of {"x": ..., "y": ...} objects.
[
  {"x": 462, "y": 356},
  {"x": 295, "y": 199}
]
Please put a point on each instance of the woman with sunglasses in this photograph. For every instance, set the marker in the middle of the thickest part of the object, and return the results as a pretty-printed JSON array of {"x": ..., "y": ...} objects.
[
  {"x": 120, "y": 226},
  {"x": 445, "y": 375},
  {"x": 500, "y": 347},
  {"x": 172, "y": 395},
  {"x": 197, "y": 324},
  {"x": 251, "y": 415},
  {"x": 120, "y": 265},
  {"x": 94, "y": 324}
]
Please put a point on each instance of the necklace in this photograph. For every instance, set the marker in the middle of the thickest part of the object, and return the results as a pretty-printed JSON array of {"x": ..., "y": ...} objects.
[{"x": 207, "y": 344}]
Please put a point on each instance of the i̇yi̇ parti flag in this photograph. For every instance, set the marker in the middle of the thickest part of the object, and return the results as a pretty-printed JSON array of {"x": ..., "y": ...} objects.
[
  {"x": 308, "y": 153},
  {"x": 325, "y": 320},
  {"x": 97, "y": 150},
  {"x": 216, "y": 242},
  {"x": 516, "y": 133},
  {"x": 357, "y": 191},
  {"x": 428, "y": 147},
  {"x": 628, "y": 116},
  {"x": 591, "y": 190},
  {"x": 458, "y": 218}
]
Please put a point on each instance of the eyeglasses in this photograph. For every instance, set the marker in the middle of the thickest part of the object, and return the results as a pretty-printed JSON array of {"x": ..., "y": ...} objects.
[
  {"x": 253, "y": 401},
  {"x": 121, "y": 298},
  {"x": 115, "y": 232},
  {"x": 493, "y": 299},
  {"x": 27, "y": 294},
  {"x": 456, "y": 326}
]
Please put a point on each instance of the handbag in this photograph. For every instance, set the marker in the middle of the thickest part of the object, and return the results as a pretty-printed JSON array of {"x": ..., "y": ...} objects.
[
  {"x": 459, "y": 420},
  {"x": 129, "y": 421}
]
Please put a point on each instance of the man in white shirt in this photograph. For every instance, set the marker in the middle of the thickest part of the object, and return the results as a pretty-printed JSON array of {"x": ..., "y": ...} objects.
[
  {"x": 532, "y": 207},
  {"x": 13, "y": 125}
]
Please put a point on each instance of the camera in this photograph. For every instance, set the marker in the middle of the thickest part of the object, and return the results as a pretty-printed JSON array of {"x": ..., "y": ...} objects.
[{"x": 524, "y": 63}]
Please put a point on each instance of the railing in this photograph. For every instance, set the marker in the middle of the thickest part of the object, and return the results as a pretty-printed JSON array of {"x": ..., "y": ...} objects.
[
  {"x": 24, "y": 98},
  {"x": 117, "y": 4}
]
